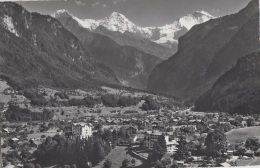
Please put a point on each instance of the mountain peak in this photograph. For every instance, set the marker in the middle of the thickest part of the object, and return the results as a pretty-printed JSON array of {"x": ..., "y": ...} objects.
[
  {"x": 116, "y": 14},
  {"x": 203, "y": 13},
  {"x": 61, "y": 12},
  {"x": 197, "y": 17}
]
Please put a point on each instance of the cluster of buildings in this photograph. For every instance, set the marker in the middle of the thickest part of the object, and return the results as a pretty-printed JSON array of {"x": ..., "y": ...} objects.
[
  {"x": 79, "y": 130},
  {"x": 150, "y": 137}
]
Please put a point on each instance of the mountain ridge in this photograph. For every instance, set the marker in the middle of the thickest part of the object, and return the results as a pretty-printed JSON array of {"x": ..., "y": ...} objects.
[
  {"x": 165, "y": 35},
  {"x": 194, "y": 69},
  {"x": 131, "y": 65},
  {"x": 42, "y": 51},
  {"x": 236, "y": 91}
]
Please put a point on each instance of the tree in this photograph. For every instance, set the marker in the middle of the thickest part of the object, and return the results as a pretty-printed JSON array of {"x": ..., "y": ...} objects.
[
  {"x": 107, "y": 164},
  {"x": 159, "y": 147},
  {"x": 241, "y": 150},
  {"x": 25, "y": 154},
  {"x": 250, "y": 122},
  {"x": 29, "y": 165},
  {"x": 125, "y": 163},
  {"x": 37, "y": 166},
  {"x": 216, "y": 143},
  {"x": 133, "y": 161},
  {"x": 158, "y": 164},
  {"x": 252, "y": 143},
  {"x": 73, "y": 166},
  {"x": 183, "y": 152},
  {"x": 175, "y": 164}
]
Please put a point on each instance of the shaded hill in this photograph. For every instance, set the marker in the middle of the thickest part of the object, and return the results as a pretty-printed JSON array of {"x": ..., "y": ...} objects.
[
  {"x": 37, "y": 49},
  {"x": 131, "y": 65},
  {"x": 143, "y": 44},
  {"x": 206, "y": 52},
  {"x": 237, "y": 91}
]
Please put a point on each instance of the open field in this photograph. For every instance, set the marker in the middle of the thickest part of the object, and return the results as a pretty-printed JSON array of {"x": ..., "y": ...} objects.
[
  {"x": 240, "y": 135},
  {"x": 38, "y": 135},
  {"x": 74, "y": 111},
  {"x": 251, "y": 162},
  {"x": 117, "y": 156},
  {"x": 4, "y": 98},
  {"x": 3, "y": 85}
]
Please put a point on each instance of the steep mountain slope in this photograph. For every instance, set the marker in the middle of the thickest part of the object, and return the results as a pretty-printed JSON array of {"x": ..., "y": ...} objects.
[
  {"x": 131, "y": 65},
  {"x": 37, "y": 49},
  {"x": 206, "y": 52},
  {"x": 143, "y": 44},
  {"x": 125, "y": 32},
  {"x": 236, "y": 91}
]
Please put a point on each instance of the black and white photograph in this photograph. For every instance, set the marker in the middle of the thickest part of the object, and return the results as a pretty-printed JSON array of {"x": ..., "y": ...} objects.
[{"x": 129, "y": 83}]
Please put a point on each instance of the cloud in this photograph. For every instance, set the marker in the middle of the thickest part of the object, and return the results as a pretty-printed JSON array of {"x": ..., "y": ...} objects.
[
  {"x": 80, "y": 3},
  {"x": 118, "y": 1},
  {"x": 95, "y": 4},
  {"x": 104, "y": 5},
  {"x": 215, "y": 11}
]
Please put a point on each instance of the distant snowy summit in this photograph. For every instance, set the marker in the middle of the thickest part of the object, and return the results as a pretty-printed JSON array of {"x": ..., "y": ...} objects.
[{"x": 166, "y": 35}]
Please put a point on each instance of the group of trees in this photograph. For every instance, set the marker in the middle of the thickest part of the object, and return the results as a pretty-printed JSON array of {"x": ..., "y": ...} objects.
[
  {"x": 150, "y": 104},
  {"x": 252, "y": 143},
  {"x": 120, "y": 136},
  {"x": 35, "y": 98},
  {"x": 15, "y": 113},
  {"x": 111, "y": 100},
  {"x": 62, "y": 95},
  {"x": 62, "y": 150},
  {"x": 216, "y": 143}
]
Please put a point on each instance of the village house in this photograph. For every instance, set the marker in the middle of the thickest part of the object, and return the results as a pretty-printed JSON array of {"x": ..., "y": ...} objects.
[
  {"x": 80, "y": 130},
  {"x": 151, "y": 137}
]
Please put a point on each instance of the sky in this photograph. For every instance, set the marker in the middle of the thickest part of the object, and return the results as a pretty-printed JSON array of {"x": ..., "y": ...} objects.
[{"x": 141, "y": 12}]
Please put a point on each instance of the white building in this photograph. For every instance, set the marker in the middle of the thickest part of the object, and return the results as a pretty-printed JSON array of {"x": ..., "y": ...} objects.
[
  {"x": 151, "y": 137},
  {"x": 81, "y": 130}
]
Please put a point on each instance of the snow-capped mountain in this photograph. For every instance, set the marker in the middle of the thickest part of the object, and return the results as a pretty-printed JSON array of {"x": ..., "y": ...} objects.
[{"x": 167, "y": 34}]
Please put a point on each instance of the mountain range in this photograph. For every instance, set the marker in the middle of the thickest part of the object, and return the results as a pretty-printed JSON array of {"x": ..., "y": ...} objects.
[
  {"x": 36, "y": 49},
  {"x": 130, "y": 33},
  {"x": 131, "y": 65},
  {"x": 214, "y": 66},
  {"x": 237, "y": 91},
  {"x": 206, "y": 52}
]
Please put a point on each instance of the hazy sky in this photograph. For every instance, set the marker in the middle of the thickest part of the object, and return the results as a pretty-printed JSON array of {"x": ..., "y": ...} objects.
[{"x": 141, "y": 12}]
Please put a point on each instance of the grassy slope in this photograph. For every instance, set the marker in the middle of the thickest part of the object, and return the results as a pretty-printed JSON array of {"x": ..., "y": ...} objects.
[
  {"x": 117, "y": 156},
  {"x": 240, "y": 135}
]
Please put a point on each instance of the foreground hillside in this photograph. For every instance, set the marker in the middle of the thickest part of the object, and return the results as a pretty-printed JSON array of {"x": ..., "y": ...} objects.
[
  {"x": 37, "y": 49},
  {"x": 237, "y": 91},
  {"x": 206, "y": 52}
]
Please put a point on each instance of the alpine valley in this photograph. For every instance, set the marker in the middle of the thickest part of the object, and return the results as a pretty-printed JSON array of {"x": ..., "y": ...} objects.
[{"x": 107, "y": 93}]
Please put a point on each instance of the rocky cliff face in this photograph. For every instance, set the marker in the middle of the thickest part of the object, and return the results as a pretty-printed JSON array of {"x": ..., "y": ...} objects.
[
  {"x": 37, "y": 49},
  {"x": 206, "y": 52}
]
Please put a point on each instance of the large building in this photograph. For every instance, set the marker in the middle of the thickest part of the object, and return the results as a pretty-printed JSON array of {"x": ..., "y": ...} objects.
[
  {"x": 151, "y": 137},
  {"x": 79, "y": 130}
]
